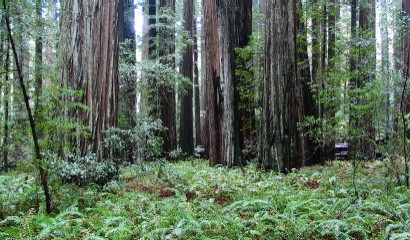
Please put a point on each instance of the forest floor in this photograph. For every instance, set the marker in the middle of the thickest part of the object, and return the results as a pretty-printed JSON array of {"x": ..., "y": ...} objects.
[{"x": 189, "y": 200}]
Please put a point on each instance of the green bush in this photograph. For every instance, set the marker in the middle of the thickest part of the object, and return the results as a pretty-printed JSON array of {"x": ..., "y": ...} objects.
[{"x": 81, "y": 170}]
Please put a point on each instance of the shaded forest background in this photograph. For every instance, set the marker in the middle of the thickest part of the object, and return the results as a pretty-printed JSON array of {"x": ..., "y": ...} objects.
[{"x": 278, "y": 84}]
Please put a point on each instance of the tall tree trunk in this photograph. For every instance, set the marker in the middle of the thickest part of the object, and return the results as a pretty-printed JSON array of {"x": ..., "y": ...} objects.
[
  {"x": 280, "y": 146},
  {"x": 49, "y": 48},
  {"x": 38, "y": 76},
  {"x": 213, "y": 93},
  {"x": 406, "y": 47},
  {"x": 397, "y": 54},
  {"x": 385, "y": 65},
  {"x": 198, "y": 137},
  {"x": 204, "y": 122},
  {"x": 230, "y": 31},
  {"x": 186, "y": 118},
  {"x": 311, "y": 154},
  {"x": 89, "y": 63},
  {"x": 367, "y": 62},
  {"x": 6, "y": 107},
  {"x": 39, "y": 51}
]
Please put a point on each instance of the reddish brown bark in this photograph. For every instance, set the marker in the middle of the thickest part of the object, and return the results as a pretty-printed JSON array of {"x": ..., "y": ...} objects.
[
  {"x": 187, "y": 69},
  {"x": 212, "y": 92},
  {"x": 89, "y": 55}
]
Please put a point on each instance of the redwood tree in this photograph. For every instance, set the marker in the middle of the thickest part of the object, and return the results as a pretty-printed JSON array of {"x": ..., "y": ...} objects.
[
  {"x": 230, "y": 30},
  {"x": 167, "y": 91},
  {"x": 187, "y": 70},
  {"x": 280, "y": 142},
  {"x": 89, "y": 63},
  {"x": 212, "y": 80}
]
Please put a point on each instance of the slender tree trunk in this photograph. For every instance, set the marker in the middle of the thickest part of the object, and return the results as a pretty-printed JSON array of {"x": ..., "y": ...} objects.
[
  {"x": 204, "y": 120},
  {"x": 406, "y": 46},
  {"x": 280, "y": 146},
  {"x": 89, "y": 63},
  {"x": 397, "y": 66},
  {"x": 6, "y": 104},
  {"x": 198, "y": 137},
  {"x": 39, "y": 52},
  {"x": 38, "y": 76},
  {"x": 49, "y": 48},
  {"x": 42, "y": 170},
  {"x": 385, "y": 65},
  {"x": 3, "y": 87},
  {"x": 311, "y": 154},
  {"x": 213, "y": 93}
]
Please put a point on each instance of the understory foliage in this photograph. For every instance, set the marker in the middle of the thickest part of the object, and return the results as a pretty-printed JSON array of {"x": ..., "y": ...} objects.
[{"x": 189, "y": 200}]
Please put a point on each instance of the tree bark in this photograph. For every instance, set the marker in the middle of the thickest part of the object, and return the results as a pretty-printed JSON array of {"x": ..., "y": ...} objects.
[
  {"x": 230, "y": 31},
  {"x": 89, "y": 63},
  {"x": 198, "y": 137},
  {"x": 405, "y": 47},
  {"x": 186, "y": 117},
  {"x": 280, "y": 146},
  {"x": 6, "y": 106},
  {"x": 213, "y": 93},
  {"x": 39, "y": 52},
  {"x": 385, "y": 65}
]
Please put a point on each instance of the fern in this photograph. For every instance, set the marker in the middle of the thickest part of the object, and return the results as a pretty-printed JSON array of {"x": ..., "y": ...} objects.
[{"x": 400, "y": 236}]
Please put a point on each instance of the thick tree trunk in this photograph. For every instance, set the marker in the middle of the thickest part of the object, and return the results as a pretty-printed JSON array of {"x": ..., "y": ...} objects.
[
  {"x": 89, "y": 63},
  {"x": 230, "y": 31},
  {"x": 212, "y": 93},
  {"x": 280, "y": 145},
  {"x": 187, "y": 70}
]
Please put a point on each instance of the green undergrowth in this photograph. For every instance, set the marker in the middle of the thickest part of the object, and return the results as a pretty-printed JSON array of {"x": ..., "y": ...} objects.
[{"x": 189, "y": 200}]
